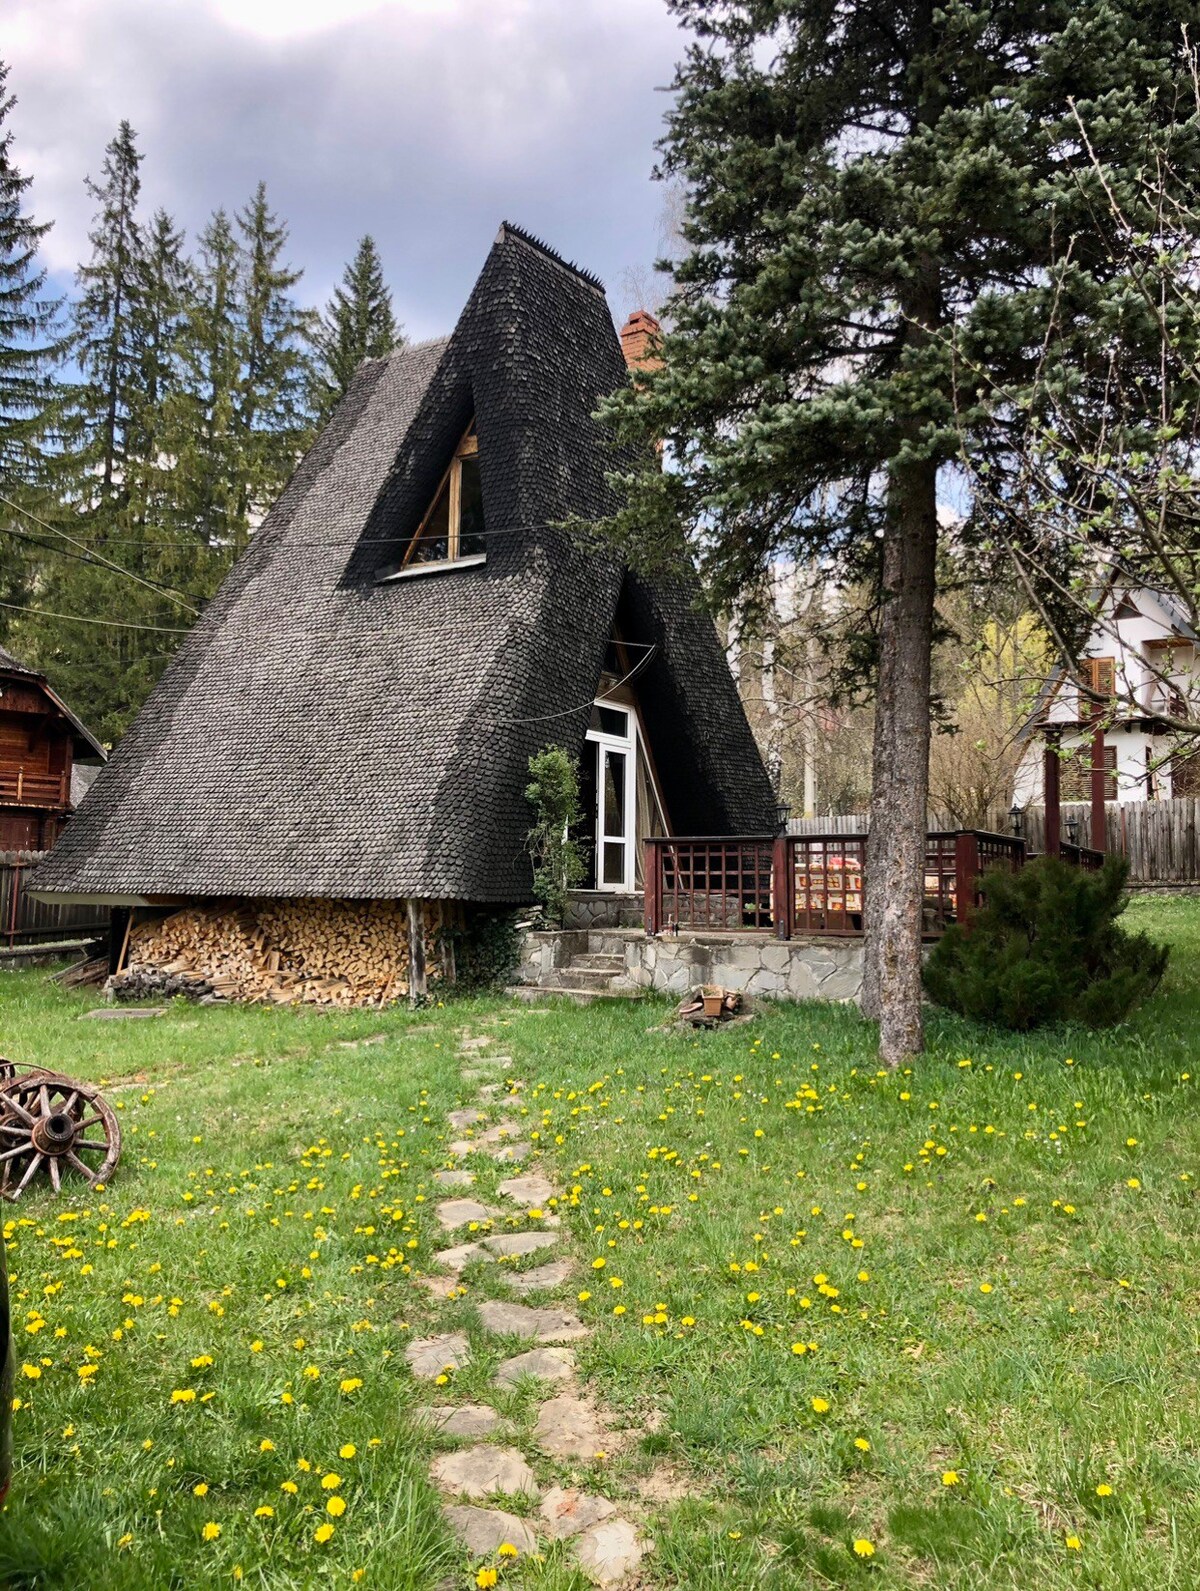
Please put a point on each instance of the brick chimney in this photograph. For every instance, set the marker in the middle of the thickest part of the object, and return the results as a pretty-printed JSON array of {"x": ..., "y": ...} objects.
[{"x": 640, "y": 337}]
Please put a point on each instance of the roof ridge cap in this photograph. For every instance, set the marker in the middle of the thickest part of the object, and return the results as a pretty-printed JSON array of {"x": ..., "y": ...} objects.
[{"x": 510, "y": 227}]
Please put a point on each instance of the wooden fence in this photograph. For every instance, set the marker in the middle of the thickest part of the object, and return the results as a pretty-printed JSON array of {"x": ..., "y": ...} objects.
[
  {"x": 25, "y": 921},
  {"x": 1160, "y": 838}
]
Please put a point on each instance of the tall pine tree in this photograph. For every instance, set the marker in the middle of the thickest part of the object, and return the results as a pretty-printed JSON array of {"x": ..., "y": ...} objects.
[
  {"x": 272, "y": 420},
  {"x": 105, "y": 346},
  {"x": 358, "y": 324},
  {"x": 880, "y": 198},
  {"x": 31, "y": 334}
]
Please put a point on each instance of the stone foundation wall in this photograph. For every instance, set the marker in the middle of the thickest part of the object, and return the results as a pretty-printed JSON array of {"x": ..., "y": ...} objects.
[
  {"x": 543, "y": 952},
  {"x": 783, "y": 969},
  {"x": 599, "y": 908}
]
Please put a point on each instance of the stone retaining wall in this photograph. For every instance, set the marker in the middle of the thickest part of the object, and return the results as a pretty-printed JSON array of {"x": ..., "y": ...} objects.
[
  {"x": 600, "y": 908},
  {"x": 784, "y": 969}
]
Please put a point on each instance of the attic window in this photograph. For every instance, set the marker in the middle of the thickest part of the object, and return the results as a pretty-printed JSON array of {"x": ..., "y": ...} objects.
[{"x": 452, "y": 529}]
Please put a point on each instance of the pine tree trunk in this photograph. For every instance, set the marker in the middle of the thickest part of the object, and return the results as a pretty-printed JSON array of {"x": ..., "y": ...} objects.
[{"x": 895, "y": 868}]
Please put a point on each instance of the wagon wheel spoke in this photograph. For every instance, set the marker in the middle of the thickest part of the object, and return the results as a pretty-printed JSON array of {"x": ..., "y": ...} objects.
[
  {"x": 11, "y": 1102},
  {"x": 55, "y": 1174},
  {"x": 70, "y": 1100},
  {"x": 21, "y": 1149},
  {"x": 89, "y": 1143},
  {"x": 19, "y": 1129},
  {"x": 29, "y": 1171},
  {"x": 44, "y": 1097},
  {"x": 89, "y": 1122},
  {"x": 84, "y": 1171}
]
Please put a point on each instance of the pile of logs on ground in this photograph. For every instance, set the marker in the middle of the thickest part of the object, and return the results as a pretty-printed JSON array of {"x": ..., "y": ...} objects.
[{"x": 323, "y": 952}]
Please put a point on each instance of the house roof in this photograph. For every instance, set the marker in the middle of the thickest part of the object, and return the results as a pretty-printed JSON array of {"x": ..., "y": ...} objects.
[
  {"x": 324, "y": 731},
  {"x": 86, "y": 744}
]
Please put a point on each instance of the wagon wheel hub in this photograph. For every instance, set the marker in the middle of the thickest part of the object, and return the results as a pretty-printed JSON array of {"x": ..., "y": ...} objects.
[{"x": 54, "y": 1134}]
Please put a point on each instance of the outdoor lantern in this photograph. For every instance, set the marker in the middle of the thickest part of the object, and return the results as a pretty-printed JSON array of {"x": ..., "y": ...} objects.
[
  {"x": 1072, "y": 826},
  {"x": 1016, "y": 820},
  {"x": 782, "y": 812}
]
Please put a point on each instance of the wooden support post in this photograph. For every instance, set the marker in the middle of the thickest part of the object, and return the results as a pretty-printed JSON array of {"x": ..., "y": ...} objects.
[
  {"x": 781, "y": 887},
  {"x": 1099, "y": 777},
  {"x": 652, "y": 887},
  {"x": 966, "y": 873},
  {"x": 416, "y": 953},
  {"x": 1052, "y": 793}
]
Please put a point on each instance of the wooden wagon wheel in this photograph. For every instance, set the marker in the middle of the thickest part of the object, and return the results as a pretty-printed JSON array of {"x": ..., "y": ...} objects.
[{"x": 54, "y": 1122}]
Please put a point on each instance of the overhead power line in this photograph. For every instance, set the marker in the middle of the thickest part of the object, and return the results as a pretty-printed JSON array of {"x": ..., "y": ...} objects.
[
  {"x": 98, "y": 557},
  {"x": 81, "y": 618}
]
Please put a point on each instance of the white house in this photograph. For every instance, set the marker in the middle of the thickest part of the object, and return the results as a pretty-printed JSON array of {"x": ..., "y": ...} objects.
[{"x": 1141, "y": 663}]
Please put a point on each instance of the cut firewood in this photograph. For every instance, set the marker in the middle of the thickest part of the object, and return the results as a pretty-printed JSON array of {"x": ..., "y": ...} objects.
[{"x": 323, "y": 952}]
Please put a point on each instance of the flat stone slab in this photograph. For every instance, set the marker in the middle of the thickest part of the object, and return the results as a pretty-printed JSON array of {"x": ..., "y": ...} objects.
[
  {"x": 122, "y": 1013},
  {"x": 461, "y": 1212},
  {"x": 441, "y": 1287},
  {"x": 480, "y": 1043},
  {"x": 566, "y": 1513},
  {"x": 497, "y": 1134},
  {"x": 461, "y": 1255},
  {"x": 542, "y": 1325},
  {"x": 429, "y": 1356},
  {"x": 608, "y": 1552},
  {"x": 569, "y": 1428},
  {"x": 483, "y": 1530},
  {"x": 531, "y": 1189},
  {"x": 467, "y": 1420},
  {"x": 513, "y": 1244},
  {"x": 459, "y": 1119},
  {"x": 541, "y": 1279},
  {"x": 481, "y": 1471},
  {"x": 546, "y": 1364},
  {"x": 508, "y": 1153},
  {"x": 454, "y": 1179}
]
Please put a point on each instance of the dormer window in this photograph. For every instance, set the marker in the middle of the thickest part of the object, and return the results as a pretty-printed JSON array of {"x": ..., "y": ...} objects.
[{"x": 452, "y": 530}]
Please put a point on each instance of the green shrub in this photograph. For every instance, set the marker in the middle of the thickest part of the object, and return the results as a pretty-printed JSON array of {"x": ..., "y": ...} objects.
[
  {"x": 1045, "y": 947},
  {"x": 558, "y": 862},
  {"x": 487, "y": 950}
]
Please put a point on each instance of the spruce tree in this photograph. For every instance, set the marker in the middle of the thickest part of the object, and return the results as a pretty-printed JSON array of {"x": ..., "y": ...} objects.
[
  {"x": 31, "y": 334},
  {"x": 156, "y": 321},
  {"x": 272, "y": 419},
  {"x": 358, "y": 324},
  {"x": 879, "y": 199},
  {"x": 104, "y": 313},
  {"x": 202, "y": 409}
]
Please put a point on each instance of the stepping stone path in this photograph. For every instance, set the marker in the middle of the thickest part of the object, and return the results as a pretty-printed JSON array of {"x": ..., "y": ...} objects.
[
  {"x": 461, "y": 1212},
  {"x": 454, "y": 1179},
  {"x": 567, "y": 1429},
  {"x": 518, "y": 1320},
  {"x": 467, "y": 1420},
  {"x": 566, "y": 1513},
  {"x": 483, "y": 1530},
  {"x": 531, "y": 1190},
  {"x": 511, "y": 1244},
  {"x": 480, "y": 1471},
  {"x": 459, "y": 1119},
  {"x": 429, "y": 1356},
  {"x": 542, "y": 1279},
  {"x": 545, "y": 1364}
]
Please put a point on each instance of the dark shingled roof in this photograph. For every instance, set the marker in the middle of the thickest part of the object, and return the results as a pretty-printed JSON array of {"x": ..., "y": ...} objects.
[{"x": 323, "y": 732}]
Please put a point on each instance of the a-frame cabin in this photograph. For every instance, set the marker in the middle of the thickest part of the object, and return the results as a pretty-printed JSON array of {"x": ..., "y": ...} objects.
[{"x": 352, "y": 718}]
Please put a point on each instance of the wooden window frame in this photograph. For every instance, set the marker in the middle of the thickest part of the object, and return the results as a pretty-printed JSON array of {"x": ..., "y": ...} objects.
[{"x": 468, "y": 448}]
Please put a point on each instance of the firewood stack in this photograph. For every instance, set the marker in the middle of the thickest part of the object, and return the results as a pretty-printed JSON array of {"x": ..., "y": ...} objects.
[{"x": 322, "y": 952}]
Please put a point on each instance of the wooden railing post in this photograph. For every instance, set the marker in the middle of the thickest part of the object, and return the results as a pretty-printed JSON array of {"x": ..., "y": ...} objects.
[
  {"x": 782, "y": 905},
  {"x": 1052, "y": 797},
  {"x": 1099, "y": 780},
  {"x": 652, "y": 888},
  {"x": 966, "y": 871}
]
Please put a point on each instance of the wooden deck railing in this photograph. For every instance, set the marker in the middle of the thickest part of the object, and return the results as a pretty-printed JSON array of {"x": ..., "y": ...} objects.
[
  {"x": 21, "y": 787},
  {"x": 805, "y": 883}
]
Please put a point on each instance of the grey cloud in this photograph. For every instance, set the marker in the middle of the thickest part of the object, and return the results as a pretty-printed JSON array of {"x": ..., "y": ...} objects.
[{"x": 425, "y": 128}]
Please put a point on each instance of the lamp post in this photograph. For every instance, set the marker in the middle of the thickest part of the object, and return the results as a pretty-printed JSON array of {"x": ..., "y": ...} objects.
[
  {"x": 783, "y": 811},
  {"x": 1016, "y": 820},
  {"x": 1072, "y": 828}
]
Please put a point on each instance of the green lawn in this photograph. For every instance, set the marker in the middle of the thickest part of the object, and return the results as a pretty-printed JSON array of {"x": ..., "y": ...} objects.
[{"x": 948, "y": 1315}]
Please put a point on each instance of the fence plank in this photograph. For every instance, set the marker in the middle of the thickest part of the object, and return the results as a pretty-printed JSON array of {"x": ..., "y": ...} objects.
[
  {"x": 1160, "y": 838},
  {"x": 25, "y": 921}
]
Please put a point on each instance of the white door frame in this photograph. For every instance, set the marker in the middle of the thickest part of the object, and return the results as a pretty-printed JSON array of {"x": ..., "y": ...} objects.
[{"x": 627, "y": 747}]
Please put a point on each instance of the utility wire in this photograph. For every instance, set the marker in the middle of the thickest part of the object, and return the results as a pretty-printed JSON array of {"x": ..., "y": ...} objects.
[
  {"x": 80, "y": 618},
  {"x": 98, "y": 557},
  {"x": 583, "y": 707}
]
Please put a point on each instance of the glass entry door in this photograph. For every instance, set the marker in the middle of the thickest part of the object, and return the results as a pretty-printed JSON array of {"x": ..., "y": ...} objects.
[{"x": 613, "y": 737}]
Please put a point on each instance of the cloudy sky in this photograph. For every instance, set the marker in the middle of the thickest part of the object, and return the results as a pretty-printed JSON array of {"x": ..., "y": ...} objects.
[{"x": 424, "y": 122}]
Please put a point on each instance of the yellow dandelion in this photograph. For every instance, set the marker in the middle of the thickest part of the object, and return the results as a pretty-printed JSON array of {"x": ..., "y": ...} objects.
[
  {"x": 336, "y": 1506},
  {"x": 211, "y": 1531},
  {"x": 323, "y": 1532},
  {"x": 347, "y": 1450},
  {"x": 820, "y": 1406},
  {"x": 864, "y": 1548}
]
